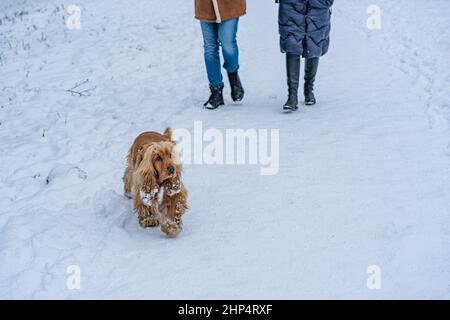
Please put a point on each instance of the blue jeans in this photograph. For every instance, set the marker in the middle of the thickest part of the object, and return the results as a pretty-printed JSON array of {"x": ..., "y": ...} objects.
[{"x": 216, "y": 35}]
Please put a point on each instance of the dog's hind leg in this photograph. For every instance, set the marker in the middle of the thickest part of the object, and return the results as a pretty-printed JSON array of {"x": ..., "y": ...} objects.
[
  {"x": 127, "y": 182},
  {"x": 172, "y": 208}
]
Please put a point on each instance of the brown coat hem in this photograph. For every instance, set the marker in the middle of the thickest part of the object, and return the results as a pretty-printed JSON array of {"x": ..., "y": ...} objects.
[
  {"x": 223, "y": 19},
  {"x": 219, "y": 10}
]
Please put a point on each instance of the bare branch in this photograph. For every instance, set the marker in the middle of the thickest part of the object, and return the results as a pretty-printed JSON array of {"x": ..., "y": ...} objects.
[{"x": 76, "y": 90}]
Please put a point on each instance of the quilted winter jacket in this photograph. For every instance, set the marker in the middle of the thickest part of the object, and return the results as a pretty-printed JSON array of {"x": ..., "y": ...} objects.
[{"x": 304, "y": 26}]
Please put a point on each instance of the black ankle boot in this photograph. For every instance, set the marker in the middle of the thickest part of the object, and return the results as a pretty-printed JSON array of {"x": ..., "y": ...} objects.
[
  {"x": 237, "y": 91},
  {"x": 293, "y": 76},
  {"x": 311, "y": 66},
  {"x": 216, "y": 98}
]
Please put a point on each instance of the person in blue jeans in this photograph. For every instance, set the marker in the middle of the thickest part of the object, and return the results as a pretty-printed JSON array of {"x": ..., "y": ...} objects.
[{"x": 219, "y": 23}]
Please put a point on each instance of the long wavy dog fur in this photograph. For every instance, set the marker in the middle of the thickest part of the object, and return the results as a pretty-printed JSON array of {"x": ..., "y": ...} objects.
[{"x": 153, "y": 167}]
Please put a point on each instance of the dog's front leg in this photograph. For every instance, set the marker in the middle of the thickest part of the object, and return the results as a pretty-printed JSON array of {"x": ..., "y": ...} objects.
[
  {"x": 146, "y": 204},
  {"x": 174, "y": 205},
  {"x": 149, "y": 197}
]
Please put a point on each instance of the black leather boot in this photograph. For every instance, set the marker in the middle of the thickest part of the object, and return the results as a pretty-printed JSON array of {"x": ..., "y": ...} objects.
[
  {"x": 237, "y": 91},
  {"x": 216, "y": 98},
  {"x": 293, "y": 76},
  {"x": 311, "y": 66}
]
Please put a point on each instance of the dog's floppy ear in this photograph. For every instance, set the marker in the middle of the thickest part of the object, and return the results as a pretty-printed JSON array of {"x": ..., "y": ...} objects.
[
  {"x": 140, "y": 154},
  {"x": 146, "y": 174},
  {"x": 168, "y": 134}
]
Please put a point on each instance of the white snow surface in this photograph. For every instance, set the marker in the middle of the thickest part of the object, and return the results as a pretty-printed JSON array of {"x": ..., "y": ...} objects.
[{"x": 364, "y": 175}]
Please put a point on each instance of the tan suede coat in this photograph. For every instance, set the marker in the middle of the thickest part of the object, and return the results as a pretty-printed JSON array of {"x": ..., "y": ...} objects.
[{"x": 219, "y": 10}]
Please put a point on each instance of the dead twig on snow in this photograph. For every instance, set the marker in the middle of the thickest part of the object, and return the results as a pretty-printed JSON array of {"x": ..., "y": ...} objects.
[{"x": 76, "y": 91}]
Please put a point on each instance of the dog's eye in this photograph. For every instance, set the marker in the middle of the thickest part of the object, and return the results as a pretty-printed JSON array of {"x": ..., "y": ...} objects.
[{"x": 158, "y": 158}]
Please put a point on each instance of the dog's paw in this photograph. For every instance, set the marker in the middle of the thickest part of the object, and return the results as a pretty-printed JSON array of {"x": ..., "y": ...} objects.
[
  {"x": 171, "y": 228},
  {"x": 148, "y": 222},
  {"x": 173, "y": 187}
]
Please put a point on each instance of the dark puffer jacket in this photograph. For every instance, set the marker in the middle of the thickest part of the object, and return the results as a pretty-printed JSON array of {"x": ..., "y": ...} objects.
[{"x": 304, "y": 27}]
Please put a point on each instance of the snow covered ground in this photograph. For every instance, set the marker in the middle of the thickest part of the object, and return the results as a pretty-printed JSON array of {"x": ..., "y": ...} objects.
[{"x": 364, "y": 176}]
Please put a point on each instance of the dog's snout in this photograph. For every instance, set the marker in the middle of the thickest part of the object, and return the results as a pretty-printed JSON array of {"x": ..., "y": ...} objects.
[{"x": 170, "y": 169}]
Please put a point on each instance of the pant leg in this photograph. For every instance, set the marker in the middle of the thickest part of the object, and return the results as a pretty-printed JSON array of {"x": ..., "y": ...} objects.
[
  {"x": 227, "y": 38},
  {"x": 211, "y": 51}
]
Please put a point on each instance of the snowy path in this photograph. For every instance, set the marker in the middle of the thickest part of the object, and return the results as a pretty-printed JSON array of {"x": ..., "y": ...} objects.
[{"x": 364, "y": 175}]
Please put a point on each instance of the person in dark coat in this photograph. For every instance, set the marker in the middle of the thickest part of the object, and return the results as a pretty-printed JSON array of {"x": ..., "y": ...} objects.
[{"x": 304, "y": 27}]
